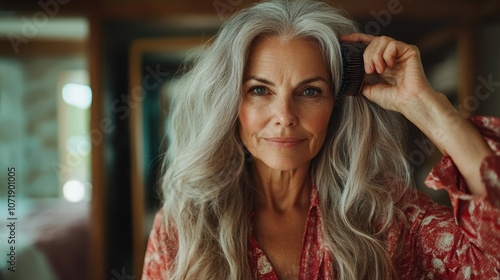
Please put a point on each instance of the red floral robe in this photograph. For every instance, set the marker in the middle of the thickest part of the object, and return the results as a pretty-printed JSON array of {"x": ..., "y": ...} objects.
[{"x": 440, "y": 243}]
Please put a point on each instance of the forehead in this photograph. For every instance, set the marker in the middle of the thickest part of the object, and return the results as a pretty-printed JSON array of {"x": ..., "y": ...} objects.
[{"x": 276, "y": 53}]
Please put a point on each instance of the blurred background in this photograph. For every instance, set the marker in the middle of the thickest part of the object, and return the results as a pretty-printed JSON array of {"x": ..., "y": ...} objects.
[{"x": 84, "y": 93}]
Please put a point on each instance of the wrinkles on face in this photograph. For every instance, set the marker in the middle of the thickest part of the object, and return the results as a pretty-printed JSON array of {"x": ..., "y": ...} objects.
[{"x": 286, "y": 105}]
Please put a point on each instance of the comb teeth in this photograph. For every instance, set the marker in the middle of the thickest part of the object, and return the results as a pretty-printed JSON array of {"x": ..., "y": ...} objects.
[{"x": 353, "y": 70}]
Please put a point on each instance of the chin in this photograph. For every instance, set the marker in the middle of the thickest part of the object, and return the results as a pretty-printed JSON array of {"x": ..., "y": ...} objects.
[{"x": 285, "y": 164}]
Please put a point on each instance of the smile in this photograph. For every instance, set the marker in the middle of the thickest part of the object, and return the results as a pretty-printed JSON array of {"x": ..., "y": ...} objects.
[{"x": 284, "y": 142}]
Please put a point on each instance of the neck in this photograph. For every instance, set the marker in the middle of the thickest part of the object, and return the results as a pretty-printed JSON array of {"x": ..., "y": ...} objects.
[{"x": 281, "y": 191}]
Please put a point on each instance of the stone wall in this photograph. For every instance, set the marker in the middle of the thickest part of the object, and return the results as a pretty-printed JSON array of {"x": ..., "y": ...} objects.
[{"x": 29, "y": 89}]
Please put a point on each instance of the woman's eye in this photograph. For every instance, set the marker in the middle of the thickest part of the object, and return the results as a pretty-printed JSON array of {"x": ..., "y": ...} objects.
[
  {"x": 258, "y": 90},
  {"x": 311, "y": 92}
]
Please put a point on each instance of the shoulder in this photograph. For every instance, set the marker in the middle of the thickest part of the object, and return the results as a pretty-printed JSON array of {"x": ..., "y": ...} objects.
[
  {"x": 421, "y": 216},
  {"x": 418, "y": 212},
  {"x": 422, "y": 211},
  {"x": 161, "y": 249}
]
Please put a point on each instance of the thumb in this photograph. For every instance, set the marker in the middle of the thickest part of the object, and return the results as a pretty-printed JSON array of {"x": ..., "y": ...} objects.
[
  {"x": 369, "y": 81},
  {"x": 378, "y": 93},
  {"x": 367, "y": 91}
]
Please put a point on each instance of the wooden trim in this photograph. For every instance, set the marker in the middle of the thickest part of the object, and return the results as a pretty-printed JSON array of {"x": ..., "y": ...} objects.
[
  {"x": 415, "y": 10},
  {"x": 137, "y": 50},
  {"x": 358, "y": 9},
  {"x": 98, "y": 207},
  {"x": 467, "y": 57},
  {"x": 42, "y": 48},
  {"x": 438, "y": 39},
  {"x": 58, "y": 7},
  {"x": 465, "y": 35},
  {"x": 489, "y": 10},
  {"x": 137, "y": 163},
  {"x": 166, "y": 9}
]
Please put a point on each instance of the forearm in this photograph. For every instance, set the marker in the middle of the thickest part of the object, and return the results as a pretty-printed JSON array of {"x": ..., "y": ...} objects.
[{"x": 452, "y": 134}]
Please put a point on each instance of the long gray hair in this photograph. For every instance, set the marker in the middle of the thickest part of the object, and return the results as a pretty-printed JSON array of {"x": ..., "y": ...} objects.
[{"x": 360, "y": 173}]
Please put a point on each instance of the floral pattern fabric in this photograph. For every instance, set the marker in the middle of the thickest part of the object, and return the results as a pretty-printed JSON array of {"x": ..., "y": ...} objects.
[{"x": 439, "y": 242}]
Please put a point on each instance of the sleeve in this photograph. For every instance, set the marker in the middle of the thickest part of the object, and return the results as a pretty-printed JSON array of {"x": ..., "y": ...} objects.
[
  {"x": 465, "y": 243},
  {"x": 160, "y": 251}
]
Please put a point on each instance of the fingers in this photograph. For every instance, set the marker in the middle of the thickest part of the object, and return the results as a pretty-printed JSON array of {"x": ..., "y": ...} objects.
[
  {"x": 397, "y": 66},
  {"x": 357, "y": 37},
  {"x": 381, "y": 52}
]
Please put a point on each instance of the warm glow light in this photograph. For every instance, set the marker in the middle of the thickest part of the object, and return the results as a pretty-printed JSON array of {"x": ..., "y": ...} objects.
[
  {"x": 74, "y": 191},
  {"x": 79, "y": 144},
  {"x": 77, "y": 95}
]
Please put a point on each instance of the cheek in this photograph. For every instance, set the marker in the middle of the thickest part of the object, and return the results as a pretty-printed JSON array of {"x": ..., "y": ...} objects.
[
  {"x": 248, "y": 119},
  {"x": 323, "y": 121},
  {"x": 318, "y": 122}
]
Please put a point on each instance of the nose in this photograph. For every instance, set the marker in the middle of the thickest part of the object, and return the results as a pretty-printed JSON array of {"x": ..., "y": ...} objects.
[{"x": 284, "y": 112}]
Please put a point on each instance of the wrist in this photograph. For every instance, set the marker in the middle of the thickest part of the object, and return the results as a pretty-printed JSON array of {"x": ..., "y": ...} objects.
[
  {"x": 435, "y": 116},
  {"x": 424, "y": 103}
]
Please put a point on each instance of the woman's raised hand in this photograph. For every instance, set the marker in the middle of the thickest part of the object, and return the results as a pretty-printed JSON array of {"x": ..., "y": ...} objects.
[{"x": 405, "y": 89}]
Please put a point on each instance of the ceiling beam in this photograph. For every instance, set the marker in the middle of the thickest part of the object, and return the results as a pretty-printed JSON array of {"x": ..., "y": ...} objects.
[
  {"x": 414, "y": 9},
  {"x": 357, "y": 9}
]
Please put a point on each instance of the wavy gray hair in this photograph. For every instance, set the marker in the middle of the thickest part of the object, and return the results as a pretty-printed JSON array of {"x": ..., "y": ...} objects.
[{"x": 360, "y": 173}]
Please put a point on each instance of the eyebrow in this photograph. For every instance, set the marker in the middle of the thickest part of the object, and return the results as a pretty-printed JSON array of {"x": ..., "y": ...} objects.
[{"x": 267, "y": 82}]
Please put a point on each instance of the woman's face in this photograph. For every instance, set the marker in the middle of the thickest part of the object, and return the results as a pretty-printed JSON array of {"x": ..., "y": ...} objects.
[{"x": 287, "y": 102}]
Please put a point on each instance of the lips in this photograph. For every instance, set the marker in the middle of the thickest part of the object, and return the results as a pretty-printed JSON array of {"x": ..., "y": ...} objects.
[{"x": 284, "y": 142}]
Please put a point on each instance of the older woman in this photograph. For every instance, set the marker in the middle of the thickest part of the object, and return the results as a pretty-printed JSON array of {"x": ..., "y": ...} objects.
[{"x": 270, "y": 176}]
